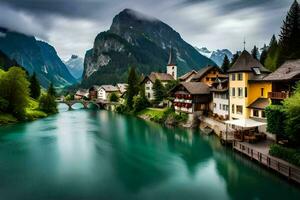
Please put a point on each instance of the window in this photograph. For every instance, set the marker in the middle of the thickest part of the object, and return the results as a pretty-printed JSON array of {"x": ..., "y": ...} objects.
[
  {"x": 255, "y": 113},
  {"x": 215, "y": 105},
  {"x": 148, "y": 95},
  {"x": 232, "y": 108},
  {"x": 262, "y": 92},
  {"x": 256, "y": 70},
  {"x": 240, "y": 92},
  {"x": 263, "y": 114},
  {"x": 233, "y": 92},
  {"x": 147, "y": 88},
  {"x": 246, "y": 91},
  {"x": 207, "y": 79},
  {"x": 233, "y": 77},
  {"x": 220, "y": 106},
  {"x": 224, "y": 107},
  {"x": 239, "y": 109},
  {"x": 240, "y": 76}
]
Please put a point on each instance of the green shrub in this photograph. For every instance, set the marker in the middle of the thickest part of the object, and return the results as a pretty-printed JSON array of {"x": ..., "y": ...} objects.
[
  {"x": 113, "y": 97},
  {"x": 7, "y": 118},
  {"x": 47, "y": 104},
  {"x": 292, "y": 123},
  {"x": 121, "y": 108},
  {"x": 275, "y": 120},
  {"x": 140, "y": 103},
  {"x": 290, "y": 155}
]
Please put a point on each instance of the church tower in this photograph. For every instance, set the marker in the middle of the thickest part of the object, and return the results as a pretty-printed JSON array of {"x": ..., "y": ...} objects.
[{"x": 171, "y": 67}]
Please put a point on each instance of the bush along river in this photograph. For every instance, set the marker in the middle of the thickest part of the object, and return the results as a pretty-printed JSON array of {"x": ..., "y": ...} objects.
[{"x": 88, "y": 154}]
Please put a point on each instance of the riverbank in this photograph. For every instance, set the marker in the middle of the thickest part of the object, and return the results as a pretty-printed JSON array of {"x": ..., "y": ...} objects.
[
  {"x": 165, "y": 116},
  {"x": 32, "y": 113}
]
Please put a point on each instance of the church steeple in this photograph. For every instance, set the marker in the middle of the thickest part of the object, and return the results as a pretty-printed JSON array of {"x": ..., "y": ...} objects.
[
  {"x": 172, "y": 58},
  {"x": 171, "y": 67}
]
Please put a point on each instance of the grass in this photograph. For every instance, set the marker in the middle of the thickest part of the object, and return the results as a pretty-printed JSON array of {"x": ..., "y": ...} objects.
[
  {"x": 7, "y": 118},
  {"x": 163, "y": 115},
  {"x": 152, "y": 112},
  {"x": 33, "y": 112}
]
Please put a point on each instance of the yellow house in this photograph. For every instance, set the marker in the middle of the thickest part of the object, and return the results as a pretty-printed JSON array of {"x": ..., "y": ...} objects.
[{"x": 248, "y": 91}]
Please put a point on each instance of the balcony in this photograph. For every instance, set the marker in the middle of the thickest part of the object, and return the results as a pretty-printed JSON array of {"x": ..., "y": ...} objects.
[{"x": 278, "y": 95}]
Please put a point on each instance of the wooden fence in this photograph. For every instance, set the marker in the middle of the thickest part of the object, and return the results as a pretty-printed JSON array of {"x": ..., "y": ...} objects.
[{"x": 290, "y": 171}]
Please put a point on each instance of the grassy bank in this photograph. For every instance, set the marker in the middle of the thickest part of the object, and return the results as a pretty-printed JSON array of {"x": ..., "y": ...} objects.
[
  {"x": 32, "y": 112},
  {"x": 163, "y": 116}
]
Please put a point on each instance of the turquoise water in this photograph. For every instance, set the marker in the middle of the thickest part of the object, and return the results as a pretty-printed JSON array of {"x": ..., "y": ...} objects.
[{"x": 86, "y": 154}]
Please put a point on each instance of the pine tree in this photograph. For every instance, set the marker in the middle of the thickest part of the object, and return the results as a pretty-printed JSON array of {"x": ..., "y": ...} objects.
[
  {"x": 254, "y": 52},
  {"x": 159, "y": 91},
  {"x": 51, "y": 90},
  {"x": 264, "y": 54},
  {"x": 35, "y": 88},
  {"x": 226, "y": 64},
  {"x": 289, "y": 41},
  {"x": 271, "y": 61},
  {"x": 234, "y": 58},
  {"x": 133, "y": 88}
]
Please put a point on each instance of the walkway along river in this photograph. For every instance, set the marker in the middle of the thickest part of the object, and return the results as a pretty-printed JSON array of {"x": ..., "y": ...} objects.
[{"x": 87, "y": 154}]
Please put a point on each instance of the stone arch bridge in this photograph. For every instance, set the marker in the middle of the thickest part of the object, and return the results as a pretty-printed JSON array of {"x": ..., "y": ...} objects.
[{"x": 100, "y": 104}]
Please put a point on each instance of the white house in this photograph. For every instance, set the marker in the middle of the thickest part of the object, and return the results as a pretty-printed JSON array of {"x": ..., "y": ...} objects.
[
  {"x": 150, "y": 80},
  {"x": 122, "y": 87},
  {"x": 163, "y": 77},
  {"x": 220, "y": 101},
  {"x": 106, "y": 90}
]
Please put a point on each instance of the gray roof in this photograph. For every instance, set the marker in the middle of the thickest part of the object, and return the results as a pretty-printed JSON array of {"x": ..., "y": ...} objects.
[
  {"x": 246, "y": 63},
  {"x": 260, "y": 104},
  {"x": 122, "y": 87},
  {"x": 82, "y": 92},
  {"x": 195, "y": 87},
  {"x": 160, "y": 76},
  {"x": 110, "y": 88},
  {"x": 288, "y": 71}
]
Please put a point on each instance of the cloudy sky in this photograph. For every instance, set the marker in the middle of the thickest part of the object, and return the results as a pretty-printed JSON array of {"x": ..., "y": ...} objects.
[{"x": 71, "y": 25}]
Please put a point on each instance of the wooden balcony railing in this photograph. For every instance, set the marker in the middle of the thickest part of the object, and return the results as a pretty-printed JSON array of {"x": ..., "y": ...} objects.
[{"x": 278, "y": 95}]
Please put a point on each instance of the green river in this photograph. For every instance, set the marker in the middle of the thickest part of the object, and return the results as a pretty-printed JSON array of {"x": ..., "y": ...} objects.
[{"x": 89, "y": 154}]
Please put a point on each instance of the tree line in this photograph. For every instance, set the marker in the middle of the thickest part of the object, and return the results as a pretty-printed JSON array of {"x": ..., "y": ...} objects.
[{"x": 17, "y": 88}]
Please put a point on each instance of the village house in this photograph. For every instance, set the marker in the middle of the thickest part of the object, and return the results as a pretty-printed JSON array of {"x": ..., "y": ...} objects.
[
  {"x": 106, "y": 90},
  {"x": 208, "y": 75},
  {"x": 188, "y": 76},
  {"x": 81, "y": 94},
  {"x": 283, "y": 81},
  {"x": 122, "y": 87},
  {"x": 171, "y": 75},
  {"x": 191, "y": 97},
  {"x": 93, "y": 92},
  {"x": 248, "y": 91},
  {"x": 220, "y": 99}
]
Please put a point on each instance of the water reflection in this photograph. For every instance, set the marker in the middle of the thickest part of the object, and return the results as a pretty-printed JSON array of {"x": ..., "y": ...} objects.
[{"x": 89, "y": 154}]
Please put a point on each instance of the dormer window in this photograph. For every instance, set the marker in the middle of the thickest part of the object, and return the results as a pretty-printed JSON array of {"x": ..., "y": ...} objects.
[{"x": 256, "y": 70}]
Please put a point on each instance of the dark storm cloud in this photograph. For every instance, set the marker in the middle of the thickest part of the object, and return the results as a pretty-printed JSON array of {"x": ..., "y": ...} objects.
[
  {"x": 68, "y": 8},
  {"x": 228, "y": 6},
  {"x": 71, "y": 25}
]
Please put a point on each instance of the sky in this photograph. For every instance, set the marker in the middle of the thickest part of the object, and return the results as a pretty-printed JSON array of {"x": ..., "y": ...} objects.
[{"x": 72, "y": 25}]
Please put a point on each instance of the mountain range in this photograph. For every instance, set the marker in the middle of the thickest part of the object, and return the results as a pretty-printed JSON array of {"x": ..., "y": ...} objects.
[
  {"x": 35, "y": 56},
  {"x": 75, "y": 66},
  {"x": 217, "y": 56},
  {"x": 140, "y": 41}
]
